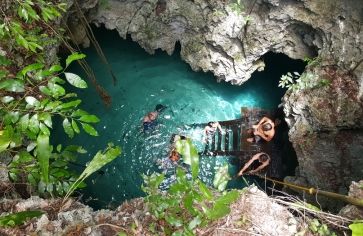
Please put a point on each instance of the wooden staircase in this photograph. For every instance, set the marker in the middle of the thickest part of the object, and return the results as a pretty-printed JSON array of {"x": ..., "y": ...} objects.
[{"x": 234, "y": 140}]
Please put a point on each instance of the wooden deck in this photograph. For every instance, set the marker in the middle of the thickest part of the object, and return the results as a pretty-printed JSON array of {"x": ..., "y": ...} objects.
[
  {"x": 234, "y": 140},
  {"x": 233, "y": 143}
]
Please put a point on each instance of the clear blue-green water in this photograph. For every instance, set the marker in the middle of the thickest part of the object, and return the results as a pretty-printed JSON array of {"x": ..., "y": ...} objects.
[{"x": 143, "y": 81}]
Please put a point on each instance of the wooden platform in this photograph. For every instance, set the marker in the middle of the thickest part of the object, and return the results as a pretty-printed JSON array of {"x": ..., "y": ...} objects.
[{"x": 234, "y": 140}]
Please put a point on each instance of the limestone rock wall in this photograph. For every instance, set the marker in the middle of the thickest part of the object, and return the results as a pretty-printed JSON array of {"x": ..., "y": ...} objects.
[
  {"x": 229, "y": 43},
  {"x": 326, "y": 130},
  {"x": 134, "y": 218}
]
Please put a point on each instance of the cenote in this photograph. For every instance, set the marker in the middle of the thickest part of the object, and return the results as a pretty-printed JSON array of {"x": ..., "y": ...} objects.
[{"x": 145, "y": 80}]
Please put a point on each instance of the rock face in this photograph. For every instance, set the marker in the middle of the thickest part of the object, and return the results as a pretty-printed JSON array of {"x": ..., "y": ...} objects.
[
  {"x": 263, "y": 217},
  {"x": 351, "y": 211},
  {"x": 229, "y": 40},
  {"x": 326, "y": 130}
]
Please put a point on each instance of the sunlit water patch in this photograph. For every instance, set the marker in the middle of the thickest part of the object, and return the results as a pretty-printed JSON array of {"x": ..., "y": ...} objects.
[{"x": 143, "y": 81}]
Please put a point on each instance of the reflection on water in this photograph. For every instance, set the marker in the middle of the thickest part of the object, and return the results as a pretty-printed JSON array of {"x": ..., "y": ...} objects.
[{"x": 143, "y": 82}]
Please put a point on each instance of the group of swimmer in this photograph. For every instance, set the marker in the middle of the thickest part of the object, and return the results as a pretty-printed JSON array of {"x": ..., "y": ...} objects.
[{"x": 263, "y": 131}]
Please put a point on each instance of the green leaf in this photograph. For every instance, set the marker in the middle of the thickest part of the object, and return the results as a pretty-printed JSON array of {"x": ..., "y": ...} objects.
[
  {"x": 44, "y": 129},
  {"x": 357, "y": 229},
  {"x": 4, "y": 61},
  {"x": 59, "y": 147},
  {"x": 31, "y": 67},
  {"x": 79, "y": 112},
  {"x": 52, "y": 106},
  {"x": 33, "y": 125},
  {"x": 25, "y": 157},
  {"x": 12, "y": 85},
  {"x": 18, "y": 218},
  {"x": 89, "y": 129},
  {"x": 98, "y": 161},
  {"x": 7, "y": 99},
  {"x": 56, "y": 90},
  {"x": 45, "y": 90},
  {"x": 46, "y": 118},
  {"x": 221, "y": 178},
  {"x": 188, "y": 203},
  {"x": 23, "y": 13},
  {"x": 194, "y": 223},
  {"x": 228, "y": 198},
  {"x": 205, "y": 191},
  {"x": 75, "y": 80},
  {"x": 55, "y": 68},
  {"x": 218, "y": 211},
  {"x": 190, "y": 155},
  {"x": 75, "y": 126},
  {"x": 43, "y": 154},
  {"x": 89, "y": 118},
  {"x": 68, "y": 128},
  {"x": 11, "y": 117},
  {"x": 5, "y": 138},
  {"x": 73, "y": 104},
  {"x": 24, "y": 122},
  {"x": 57, "y": 80},
  {"x": 31, "y": 179},
  {"x": 73, "y": 57},
  {"x": 32, "y": 101},
  {"x": 31, "y": 146},
  {"x": 174, "y": 221}
]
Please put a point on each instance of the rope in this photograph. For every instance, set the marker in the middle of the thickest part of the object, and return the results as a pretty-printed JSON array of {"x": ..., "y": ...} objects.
[{"x": 311, "y": 191}]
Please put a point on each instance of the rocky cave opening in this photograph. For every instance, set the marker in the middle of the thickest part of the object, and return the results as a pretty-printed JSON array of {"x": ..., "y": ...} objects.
[{"x": 145, "y": 80}]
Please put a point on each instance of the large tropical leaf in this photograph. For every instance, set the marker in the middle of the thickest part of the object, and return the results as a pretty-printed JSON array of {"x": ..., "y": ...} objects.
[
  {"x": 221, "y": 178},
  {"x": 190, "y": 155},
  {"x": 98, "y": 161}
]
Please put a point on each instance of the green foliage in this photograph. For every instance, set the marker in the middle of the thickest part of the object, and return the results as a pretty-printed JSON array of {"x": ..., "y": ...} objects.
[
  {"x": 98, "y": 161},
  {"x": 33, "y": 94},
  {"x": 221, "y": 178},
  {"x": 312, "y": 61},
  {"x": 190, "y": 154},
  {"x": 357, "y": 228},
  {"x": 320, "y": 229},
  {"x": 188, "y": 203},
  {"x": 296, "y": 82},
  {"x": 18, "y": 218},
  {"x": 29, "y": 167}
]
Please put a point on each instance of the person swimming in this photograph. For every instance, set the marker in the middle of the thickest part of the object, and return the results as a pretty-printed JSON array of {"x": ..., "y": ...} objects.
[
  {"x": 150, "y": 120},
  {"x": 174, "y": 156}
]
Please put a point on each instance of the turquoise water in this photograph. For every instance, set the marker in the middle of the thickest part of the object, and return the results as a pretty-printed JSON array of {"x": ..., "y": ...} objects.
[{"x": 143, "y": 81}]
